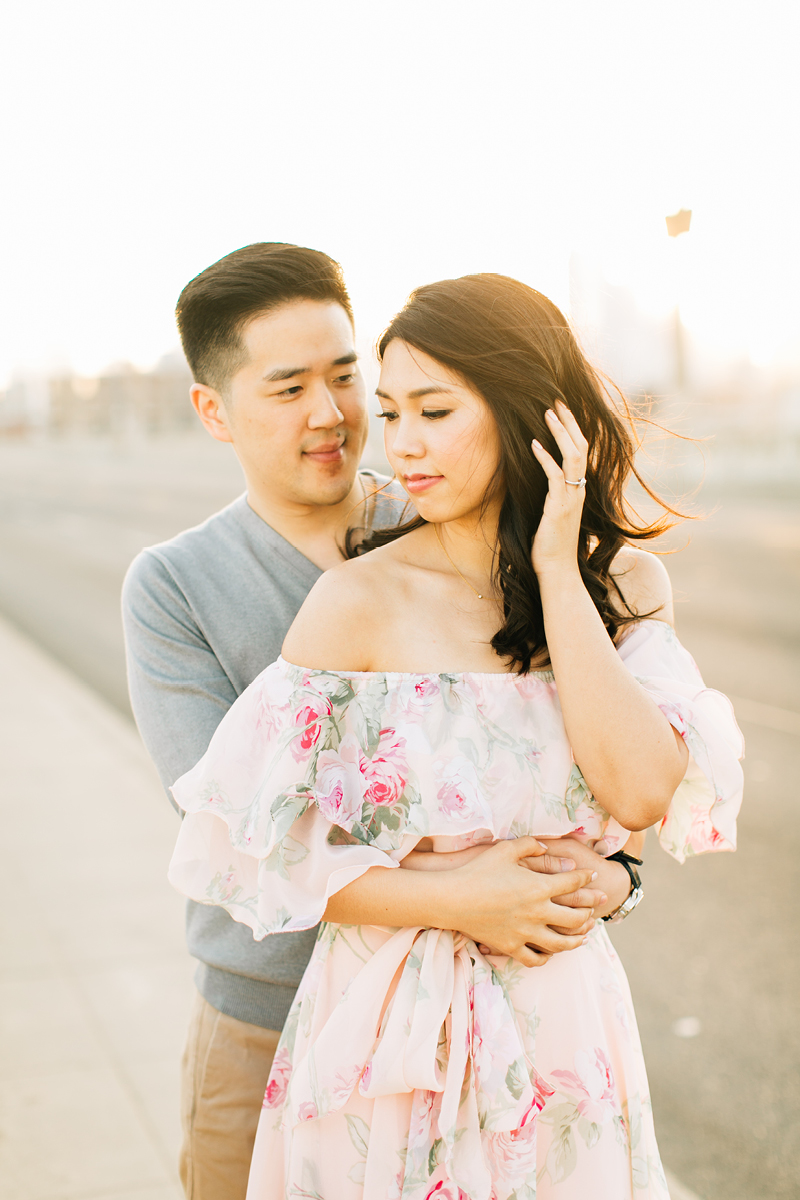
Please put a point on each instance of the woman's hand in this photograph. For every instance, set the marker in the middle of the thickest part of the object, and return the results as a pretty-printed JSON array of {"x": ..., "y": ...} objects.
[
  {"x": 612, "y": 878},
  {"x": 503, "y": 905},
  {"x": 525, "y": 904},
  {"x": 422, "y": 858},
  {"x": 556, "y": 542}
]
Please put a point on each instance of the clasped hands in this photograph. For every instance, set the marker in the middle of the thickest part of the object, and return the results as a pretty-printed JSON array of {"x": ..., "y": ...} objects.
[{"x": 526, "y": 898}]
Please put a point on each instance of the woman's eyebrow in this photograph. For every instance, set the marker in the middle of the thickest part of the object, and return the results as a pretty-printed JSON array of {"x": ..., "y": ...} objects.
[{"x": 418, "y": 392}]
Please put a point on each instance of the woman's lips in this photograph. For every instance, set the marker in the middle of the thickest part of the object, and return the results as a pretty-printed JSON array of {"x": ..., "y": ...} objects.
[{"x": 421, "y": 483}]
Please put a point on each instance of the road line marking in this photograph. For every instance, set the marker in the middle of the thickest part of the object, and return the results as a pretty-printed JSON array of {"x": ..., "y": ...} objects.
[
  {"x": 767, "y": 714},
  {"x": 677, "y": 1191}
]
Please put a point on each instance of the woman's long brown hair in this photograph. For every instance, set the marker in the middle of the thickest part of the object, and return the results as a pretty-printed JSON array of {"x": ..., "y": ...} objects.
[{"x": 513, "y": 346}]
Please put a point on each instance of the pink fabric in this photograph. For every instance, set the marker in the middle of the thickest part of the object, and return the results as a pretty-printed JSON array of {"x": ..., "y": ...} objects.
[{"x": 411, "y": 1066}]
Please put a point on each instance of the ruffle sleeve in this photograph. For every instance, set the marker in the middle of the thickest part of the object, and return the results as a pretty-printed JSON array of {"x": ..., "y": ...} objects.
[
  {"x": 254, "y": 839},
  {"x": 703, "y": 812}
]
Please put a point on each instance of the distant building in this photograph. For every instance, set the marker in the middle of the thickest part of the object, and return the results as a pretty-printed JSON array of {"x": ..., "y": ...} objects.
[{"x": 121, "y": 401}]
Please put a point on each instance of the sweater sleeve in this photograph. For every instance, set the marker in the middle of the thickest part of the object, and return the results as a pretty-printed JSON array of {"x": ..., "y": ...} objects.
[{"x": 179, "y": 691}]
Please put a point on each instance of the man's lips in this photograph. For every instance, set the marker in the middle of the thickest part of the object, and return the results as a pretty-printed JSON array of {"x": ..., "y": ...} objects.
[
  {"x": 327, "y": 453},
  {"x": 420, "y": 483}
]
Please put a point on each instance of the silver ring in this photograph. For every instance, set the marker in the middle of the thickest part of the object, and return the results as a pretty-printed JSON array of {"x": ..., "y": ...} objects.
[{"x": 576, "y": 482}]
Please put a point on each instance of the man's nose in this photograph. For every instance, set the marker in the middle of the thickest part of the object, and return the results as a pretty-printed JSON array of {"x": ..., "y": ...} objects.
[{"x": 325, "y": 413}]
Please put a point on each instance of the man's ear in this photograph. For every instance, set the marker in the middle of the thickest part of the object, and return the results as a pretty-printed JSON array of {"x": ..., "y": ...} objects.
[{"x": 210, "y": 408}]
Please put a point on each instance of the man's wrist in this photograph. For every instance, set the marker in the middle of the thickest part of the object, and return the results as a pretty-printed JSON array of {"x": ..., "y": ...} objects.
[{"x": 636, "y": 893}]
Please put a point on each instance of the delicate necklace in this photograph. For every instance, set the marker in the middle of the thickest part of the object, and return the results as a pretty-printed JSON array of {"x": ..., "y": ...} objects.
[{"x": 455, "y": 568}]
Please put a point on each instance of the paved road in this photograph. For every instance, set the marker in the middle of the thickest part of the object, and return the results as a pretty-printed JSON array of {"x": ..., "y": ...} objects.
[{"x": 715, "y": 941}]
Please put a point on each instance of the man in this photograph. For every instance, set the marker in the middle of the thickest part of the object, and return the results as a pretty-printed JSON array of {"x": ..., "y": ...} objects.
[{"x": 268, "y": 334}]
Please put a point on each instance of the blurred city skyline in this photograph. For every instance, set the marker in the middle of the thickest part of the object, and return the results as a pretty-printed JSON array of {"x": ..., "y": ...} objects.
[{"x": 546, "y": 142}]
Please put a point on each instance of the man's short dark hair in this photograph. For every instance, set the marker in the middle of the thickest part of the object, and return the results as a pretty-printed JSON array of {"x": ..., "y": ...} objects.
[{"x": 215, "y": 306}]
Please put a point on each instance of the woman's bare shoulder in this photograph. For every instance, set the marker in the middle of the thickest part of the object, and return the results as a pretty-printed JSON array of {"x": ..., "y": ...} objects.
[
  {"x": 644, "y": 582},
  {"x": 341, "y": 618}
]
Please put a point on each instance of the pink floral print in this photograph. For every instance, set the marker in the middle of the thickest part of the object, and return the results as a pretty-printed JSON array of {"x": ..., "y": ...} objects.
[
  {"x": 592, "y": 1082},
  {"x": 411, "y": 1066}
]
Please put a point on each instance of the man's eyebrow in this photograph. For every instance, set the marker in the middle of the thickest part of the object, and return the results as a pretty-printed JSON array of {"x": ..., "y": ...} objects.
[
  {"x": 285, "y": 373},
  {"x": 418, "y": 392},
  {"x": 281, "y": 373}
]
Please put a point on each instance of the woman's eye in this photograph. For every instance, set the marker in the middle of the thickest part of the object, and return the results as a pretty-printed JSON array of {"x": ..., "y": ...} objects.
[
  {"x": 435, "y": 414},
  {"x": 388, "y": 414}
]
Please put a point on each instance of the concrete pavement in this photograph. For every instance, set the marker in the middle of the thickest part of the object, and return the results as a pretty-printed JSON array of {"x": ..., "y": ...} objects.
[{"x": 95, "y": 982}]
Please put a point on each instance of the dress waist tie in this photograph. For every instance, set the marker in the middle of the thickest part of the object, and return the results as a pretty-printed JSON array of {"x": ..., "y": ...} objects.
[{"x": 448, "y": 1028}]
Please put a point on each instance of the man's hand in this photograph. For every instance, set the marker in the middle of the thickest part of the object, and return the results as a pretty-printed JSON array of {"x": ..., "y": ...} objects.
[
  {"x": 553, "y": 856},
  {"x": 496, "y": 905},
  {"x": 612, "y": 878}
]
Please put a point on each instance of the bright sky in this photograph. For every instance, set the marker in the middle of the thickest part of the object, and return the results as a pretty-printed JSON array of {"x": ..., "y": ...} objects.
[{"x": 412, "y": 140}]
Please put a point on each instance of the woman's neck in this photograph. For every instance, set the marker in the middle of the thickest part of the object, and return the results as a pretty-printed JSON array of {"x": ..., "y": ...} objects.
[{"x": 471, "y": 545}]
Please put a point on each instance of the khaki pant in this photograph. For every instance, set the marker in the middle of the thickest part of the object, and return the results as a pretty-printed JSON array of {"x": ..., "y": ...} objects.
[{"x": 226, "y": 1065}]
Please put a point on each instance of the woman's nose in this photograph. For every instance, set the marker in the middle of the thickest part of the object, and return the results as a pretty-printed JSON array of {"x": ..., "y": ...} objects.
[{"x": 403, "y": 442}]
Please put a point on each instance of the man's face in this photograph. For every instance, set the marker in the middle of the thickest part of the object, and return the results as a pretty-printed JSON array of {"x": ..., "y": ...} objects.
[{"x": 296, "y": 413}]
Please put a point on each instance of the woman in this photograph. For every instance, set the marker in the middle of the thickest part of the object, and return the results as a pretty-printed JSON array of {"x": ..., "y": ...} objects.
[{"x": 503, "y": 667}]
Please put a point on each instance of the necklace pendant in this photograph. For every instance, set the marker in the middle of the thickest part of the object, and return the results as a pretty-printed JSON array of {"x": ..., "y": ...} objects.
[{"x": 480, "y": 597}]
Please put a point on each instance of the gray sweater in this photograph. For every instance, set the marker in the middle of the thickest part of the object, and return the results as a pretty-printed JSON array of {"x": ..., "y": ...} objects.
[{"x": 203, "y": 615}]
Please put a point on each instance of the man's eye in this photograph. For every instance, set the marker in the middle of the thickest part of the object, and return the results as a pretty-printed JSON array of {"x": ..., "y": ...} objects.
[
  {"x": 435, "y": 414},
  {"x": 388, "y": 414},
  {"x": 292, "y": 391},
  {"x": 345, "y": 378}
]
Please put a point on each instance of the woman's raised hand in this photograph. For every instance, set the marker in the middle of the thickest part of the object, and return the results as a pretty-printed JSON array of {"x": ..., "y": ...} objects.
[{"x": 556, "y": 542}]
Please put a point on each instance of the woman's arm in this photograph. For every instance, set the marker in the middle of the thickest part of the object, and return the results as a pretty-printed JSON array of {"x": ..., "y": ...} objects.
[
  {"x": 492, "y": 898},
  {"x": 611, "y": 883},
  {"x": 630, "y": 756}
]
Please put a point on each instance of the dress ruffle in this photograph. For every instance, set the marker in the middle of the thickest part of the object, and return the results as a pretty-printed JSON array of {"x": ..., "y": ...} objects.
[
  {"x": 313, "y": 777},
  {"x": 702, "y": 815}
]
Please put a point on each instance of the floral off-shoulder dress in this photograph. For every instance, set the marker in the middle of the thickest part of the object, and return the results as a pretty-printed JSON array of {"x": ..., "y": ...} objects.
[{"x": 411, "y": 1065}]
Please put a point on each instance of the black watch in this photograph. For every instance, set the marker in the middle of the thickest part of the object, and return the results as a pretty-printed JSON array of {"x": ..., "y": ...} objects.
[{"x": 636, "y": 893}]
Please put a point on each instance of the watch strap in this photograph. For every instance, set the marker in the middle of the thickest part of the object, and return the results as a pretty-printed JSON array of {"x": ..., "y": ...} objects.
[{"x": 636, "y": 894}]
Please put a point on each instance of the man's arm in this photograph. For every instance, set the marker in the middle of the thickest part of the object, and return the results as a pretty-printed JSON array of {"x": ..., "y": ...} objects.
[{"x": 179, "y": 691}]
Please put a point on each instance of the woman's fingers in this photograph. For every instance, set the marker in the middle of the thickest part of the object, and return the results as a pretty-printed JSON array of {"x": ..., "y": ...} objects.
[
  {"x": 521, "y": 847},
  {"x": 570, "y": 441},
  {"x": 550, "y": 942},
  {"x": 548, "y": 864},
  {"x": 572, "y": 427},
  {"x": 530, "y": 957},
  {"x": 567, "y": 882},
  {"x": 547, "y": 463},
  {"x": 583, "y": 898}
]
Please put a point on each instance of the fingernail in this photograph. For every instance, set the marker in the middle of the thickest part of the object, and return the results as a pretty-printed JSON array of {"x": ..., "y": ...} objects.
[
  {"x": 603, "y": 897},
  {"x": 536, "y": 442},
  {"x": 567, "y": 864},
  {"x": 585, "y": 940},
  {"x": 550, "y": 412},
  {"x": 542, "y": 844},
  {"x": 594, "y": 874}
]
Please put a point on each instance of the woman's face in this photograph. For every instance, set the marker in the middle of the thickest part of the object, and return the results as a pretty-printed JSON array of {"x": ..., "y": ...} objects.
[{"x": 440, "y": 436}]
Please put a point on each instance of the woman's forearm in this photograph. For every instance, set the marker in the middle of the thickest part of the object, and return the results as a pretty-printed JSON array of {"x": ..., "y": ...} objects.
[
  {"x": 629, "y": 754},
  {"x": 492, "y": 898}
]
